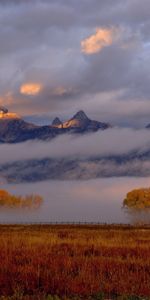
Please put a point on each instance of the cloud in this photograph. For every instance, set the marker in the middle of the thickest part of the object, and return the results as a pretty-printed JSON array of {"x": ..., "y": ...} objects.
[
  {"x": 41, "y": 42},
  {"x": 109, "y": 153},
  {"x": 106, "y": 143},
  {"x": 71, "y": 167},
  {"x": 95, "y": 43},
  {"x": 30, "y": 89}
]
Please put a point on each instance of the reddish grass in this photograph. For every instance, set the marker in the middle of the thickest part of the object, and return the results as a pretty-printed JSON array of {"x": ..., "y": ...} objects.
[{"x": 75, "y": 260}]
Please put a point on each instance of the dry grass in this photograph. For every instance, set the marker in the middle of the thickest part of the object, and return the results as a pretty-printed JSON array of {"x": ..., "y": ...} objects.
[{"x": 74, "y": 262}]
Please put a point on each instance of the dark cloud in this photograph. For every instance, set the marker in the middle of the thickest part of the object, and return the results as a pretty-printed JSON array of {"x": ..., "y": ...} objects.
[{"x": 40, "y": 41}]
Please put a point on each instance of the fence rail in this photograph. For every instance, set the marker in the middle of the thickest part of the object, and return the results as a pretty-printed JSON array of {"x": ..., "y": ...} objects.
[{"x": 57, "y": 223}]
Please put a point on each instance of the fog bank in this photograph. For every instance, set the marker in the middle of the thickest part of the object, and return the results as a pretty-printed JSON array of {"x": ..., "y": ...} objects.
[
  {"x": 109, "y": 142},
  {"x": 97, "y": 200}
]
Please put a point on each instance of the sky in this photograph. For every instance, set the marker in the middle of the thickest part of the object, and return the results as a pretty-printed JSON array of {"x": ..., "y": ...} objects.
[{"x": 61, "y": 56}]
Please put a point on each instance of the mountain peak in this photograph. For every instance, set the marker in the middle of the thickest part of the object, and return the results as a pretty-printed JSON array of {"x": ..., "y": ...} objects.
[
  {"x": 80, "y": 115},
  {"x": 4, "y": 114},
  {"x": 3, "y": 110},
  {"x": 57, "y": 123},
  {"x": 79, "y": 120}
]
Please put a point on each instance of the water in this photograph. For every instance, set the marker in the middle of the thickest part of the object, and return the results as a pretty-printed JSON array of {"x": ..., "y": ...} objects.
[{"x": 98, "y": 200}]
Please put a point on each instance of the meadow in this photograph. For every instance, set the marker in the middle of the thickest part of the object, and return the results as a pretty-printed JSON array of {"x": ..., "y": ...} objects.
[{"x": 65, "y": 262}]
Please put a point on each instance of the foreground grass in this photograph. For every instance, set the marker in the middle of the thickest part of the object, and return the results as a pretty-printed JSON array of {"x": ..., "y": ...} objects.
[
  {"x": 50, "y": 297},
  {"x": 74, "y": 262}
]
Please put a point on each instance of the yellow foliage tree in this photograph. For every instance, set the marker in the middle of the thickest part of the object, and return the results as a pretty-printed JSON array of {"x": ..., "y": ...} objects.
[
  {"x": 29, "y": 201},
  {"x": 138, "y": 199}
]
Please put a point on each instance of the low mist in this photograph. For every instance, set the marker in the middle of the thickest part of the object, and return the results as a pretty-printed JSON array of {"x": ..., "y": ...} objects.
[
  {"x": 94, "y": 200},
  {"x": 97, "y": 200}
]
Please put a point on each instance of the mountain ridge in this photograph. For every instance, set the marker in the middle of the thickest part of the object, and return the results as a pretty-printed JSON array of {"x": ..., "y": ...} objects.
[
  {"x": 15, "y": 129},
  {"x": 80, "y": 122}
]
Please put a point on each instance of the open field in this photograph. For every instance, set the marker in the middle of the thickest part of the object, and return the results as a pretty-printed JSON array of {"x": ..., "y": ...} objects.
[{"x": 74, "y": 262}]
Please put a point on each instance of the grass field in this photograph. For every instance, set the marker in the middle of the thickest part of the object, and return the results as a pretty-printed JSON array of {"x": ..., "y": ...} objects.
[{"x": 53, "y": 262}]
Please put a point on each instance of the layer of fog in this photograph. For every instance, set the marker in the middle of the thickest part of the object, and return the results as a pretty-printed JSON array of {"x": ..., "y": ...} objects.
[
  {"x": 97, "y": 200},
  {"x": 109, "y": 142}
]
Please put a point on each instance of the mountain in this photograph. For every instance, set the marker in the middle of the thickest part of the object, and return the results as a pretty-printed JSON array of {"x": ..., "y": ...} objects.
[
  {"x": 81, "y": 123},
  {"x": 14, "y": 129},
  {"x": 17, "y": 130},
  {"x": 79, "y": 120},
  {"x": 57, "y": 123}
]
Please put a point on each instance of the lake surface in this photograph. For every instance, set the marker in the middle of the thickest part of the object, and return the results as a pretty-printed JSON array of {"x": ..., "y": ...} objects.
[{"x": 98, "y": 200}]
